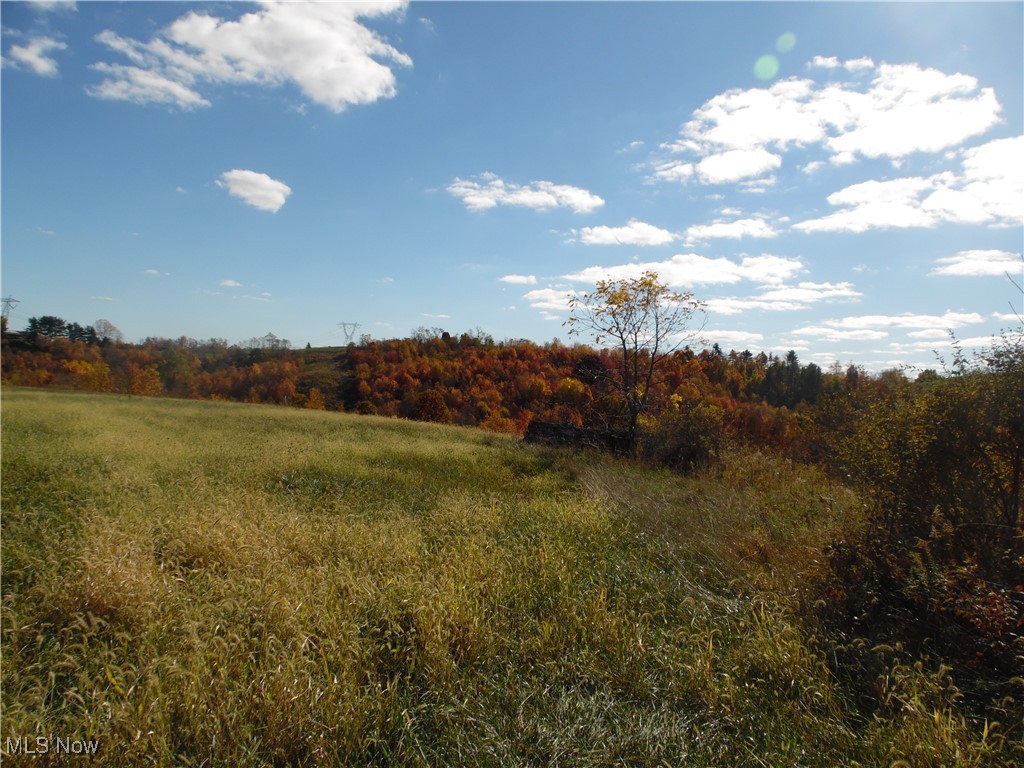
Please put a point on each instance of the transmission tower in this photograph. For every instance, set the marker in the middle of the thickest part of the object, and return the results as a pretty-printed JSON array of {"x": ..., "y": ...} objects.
[
  {"x": 349, "y": 329},
  {"x": 9, "y": 304}
]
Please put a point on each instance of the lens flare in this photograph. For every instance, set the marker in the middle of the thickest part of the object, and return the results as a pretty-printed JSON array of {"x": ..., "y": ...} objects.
[
  {"x": 786, "y": 42},
  {"x": 766, "y": 67}
]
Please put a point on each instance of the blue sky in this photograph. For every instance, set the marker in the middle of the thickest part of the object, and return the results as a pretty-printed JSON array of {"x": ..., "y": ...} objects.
[{"x": 842, "y": 179}]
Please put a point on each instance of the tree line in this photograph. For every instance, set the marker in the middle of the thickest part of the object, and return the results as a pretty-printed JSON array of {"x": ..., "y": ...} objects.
[{"x": 468, "y": 379}]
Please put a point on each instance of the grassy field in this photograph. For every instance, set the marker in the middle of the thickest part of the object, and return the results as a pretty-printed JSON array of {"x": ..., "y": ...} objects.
[{"x": 210, "y": 584}]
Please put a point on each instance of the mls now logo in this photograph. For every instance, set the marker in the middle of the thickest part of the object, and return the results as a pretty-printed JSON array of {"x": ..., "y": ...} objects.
[{"x": 41, "y": 745}]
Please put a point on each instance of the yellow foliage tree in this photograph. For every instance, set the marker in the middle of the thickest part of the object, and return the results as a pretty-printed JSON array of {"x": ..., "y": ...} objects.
[{"x": 645, "y": 322}]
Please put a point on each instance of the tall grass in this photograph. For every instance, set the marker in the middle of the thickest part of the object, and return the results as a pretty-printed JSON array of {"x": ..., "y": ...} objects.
[{"x": 229, "y": 585}]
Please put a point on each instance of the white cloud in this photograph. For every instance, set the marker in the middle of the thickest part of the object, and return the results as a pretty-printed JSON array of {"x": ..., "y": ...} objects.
[
  {"x": 735, "y": 305},
  {"x": 806, "y": 293},
  {"x": 152, "y": 272},
  {"x": 54, "y": 5},
  {"x": 980, "y": 264},
  {"x": 910, "y": 109},
  {"x": 33, "y": 56},
  {"x": 906, "y": 320},
  {"x": 230, "y": 284},
  {"x": 144, "y": 86},
  {"x": 778, "y": 116},
  {"x": 834, "y": 334},
  {"x": 675, "y": 170},
  {"x": 990, "y": 190},
  {"x": 736, "y": 165},
  {"x": 857, "y": 65},
  {"x": 993, "y": 174},
  {"x": 492, "y": 191},
  {"x": 894, "y": 112},
  {"x": 742, "y": 338},
  {"x": 1006, "y": 316},
  {"x": 519, "y": 279},
  {"x": 734, "y": 230},
  {"x": 321, "y": 48},
  {"x": 257, "y": 189},
  {"x": 785, "y": 298},
  {"x": 832, "y": 62},
  {"x": 633, "y": 233},
  {"x": 441, "y": 316},
  {"x": 875, "y": 205},
  {"x": 551, "y": 299},
  {"x": 824, "y": 62},
  {"x": 689, "y": 269},
  {"x": 974, "y": 342},
  {"x": 929, "y": 333}
]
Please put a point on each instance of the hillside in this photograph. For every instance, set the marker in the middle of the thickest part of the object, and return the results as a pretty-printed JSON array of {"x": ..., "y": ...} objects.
[{"x": 223, "y": 584}]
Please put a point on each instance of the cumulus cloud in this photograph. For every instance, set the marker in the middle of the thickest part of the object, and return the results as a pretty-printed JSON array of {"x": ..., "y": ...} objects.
[
  {"x": 550, "y": 299},
  {"x": 33, "y": 56},
  {"x": 824, "y": 62},
  {"x": 988, "y": 190},
  {"x": 993, "y": 174},
  {"x": 731, "y": 230},
  {"x": 736, "y": 165},
  {"x": 689, "y": 269},
  {"x": 491, "y": 191},
  {"x": 633, "y": 233},
  {"x": 257, "y": 189},
  {"x": 785, "y": 298},
  {"x": 884, "y": 111},
  {"x": 519, "y": 279},
  {"x": 230, "y": 284},
  {"x": 875, "y": 205},
  {"x": 909, "y": 109},
  {"x": 980, "y": 264},
  {"x": 321, "y": 48},
  {"x": 867, "y": 327}
]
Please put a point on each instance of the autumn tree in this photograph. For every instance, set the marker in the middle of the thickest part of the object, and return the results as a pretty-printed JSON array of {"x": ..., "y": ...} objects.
[{"x": 645, "y": 322}]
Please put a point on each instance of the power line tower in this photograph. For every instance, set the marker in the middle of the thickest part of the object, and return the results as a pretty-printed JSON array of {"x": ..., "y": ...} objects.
[
  {"x": 349, "y": 329},
  {"x": 9, "y": 304}
]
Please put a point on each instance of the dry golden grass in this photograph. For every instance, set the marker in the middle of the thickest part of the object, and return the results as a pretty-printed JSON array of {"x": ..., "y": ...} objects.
[{"x": 231, "y": 585}]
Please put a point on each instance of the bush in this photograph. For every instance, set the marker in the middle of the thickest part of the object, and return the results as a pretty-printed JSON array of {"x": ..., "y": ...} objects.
[
  {"x": 687, "y": 436},
  {"x": 940, "y": 567}
]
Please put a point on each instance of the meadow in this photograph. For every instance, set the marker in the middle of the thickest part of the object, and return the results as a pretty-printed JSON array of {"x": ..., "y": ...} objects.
[{"x": 223, "y": 584}]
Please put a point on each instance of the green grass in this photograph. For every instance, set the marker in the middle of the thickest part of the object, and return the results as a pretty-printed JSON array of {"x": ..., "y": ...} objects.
[{"x": 233, "y": 585}]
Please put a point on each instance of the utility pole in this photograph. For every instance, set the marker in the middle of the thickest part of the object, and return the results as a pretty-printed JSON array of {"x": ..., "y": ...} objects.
[{"x": 349, "y": 329}]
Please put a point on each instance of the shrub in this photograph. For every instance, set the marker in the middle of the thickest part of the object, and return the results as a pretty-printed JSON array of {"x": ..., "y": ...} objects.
[
  {"x": 688, "y": 435},
  {"x": 940, "y": 567}
]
